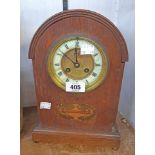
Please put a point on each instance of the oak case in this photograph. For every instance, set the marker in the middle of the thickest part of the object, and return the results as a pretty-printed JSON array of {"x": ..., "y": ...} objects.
[{"x": 101, "y": 128}]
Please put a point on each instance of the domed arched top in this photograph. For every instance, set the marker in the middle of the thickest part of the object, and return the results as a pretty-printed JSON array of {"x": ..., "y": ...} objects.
[{"x": 80, "y": 13}]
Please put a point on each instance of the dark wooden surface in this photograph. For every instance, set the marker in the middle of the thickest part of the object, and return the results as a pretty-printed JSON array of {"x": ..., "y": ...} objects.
[{"x": 104, "y": 98}]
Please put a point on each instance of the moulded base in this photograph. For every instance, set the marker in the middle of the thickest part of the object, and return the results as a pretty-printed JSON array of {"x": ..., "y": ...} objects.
[{"x": 110, "y": 139}]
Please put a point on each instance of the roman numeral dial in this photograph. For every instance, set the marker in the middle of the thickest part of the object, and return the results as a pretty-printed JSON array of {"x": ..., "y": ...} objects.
[{"x": 77, "y": 59}]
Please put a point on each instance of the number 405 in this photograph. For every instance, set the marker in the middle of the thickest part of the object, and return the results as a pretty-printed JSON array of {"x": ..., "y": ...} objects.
[{"x": 75, "y": 87}]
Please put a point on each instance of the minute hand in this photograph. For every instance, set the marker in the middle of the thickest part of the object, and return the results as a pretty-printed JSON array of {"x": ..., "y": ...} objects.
[
  {"x": 68, "y": 58},
  {"x": 76, "y": 55}
]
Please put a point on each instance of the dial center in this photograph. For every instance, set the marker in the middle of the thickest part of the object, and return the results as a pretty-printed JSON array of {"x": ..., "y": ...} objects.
[
  {"x": 77, "y": 65},
  {"x": 77, "y": 70}
]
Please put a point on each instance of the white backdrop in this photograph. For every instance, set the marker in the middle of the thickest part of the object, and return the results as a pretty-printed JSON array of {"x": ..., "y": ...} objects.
[{"x": 120, "y": 12}]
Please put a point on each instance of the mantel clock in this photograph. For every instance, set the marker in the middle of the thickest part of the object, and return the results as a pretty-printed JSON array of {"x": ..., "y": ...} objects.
[{"x": 78, "y": 60}]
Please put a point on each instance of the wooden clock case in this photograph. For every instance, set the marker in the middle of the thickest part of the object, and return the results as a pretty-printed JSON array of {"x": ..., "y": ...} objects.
[{"x": 101, "y": 128}]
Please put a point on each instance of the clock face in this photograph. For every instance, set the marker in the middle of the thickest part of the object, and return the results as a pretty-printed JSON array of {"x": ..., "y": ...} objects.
[{"x": 77, "y": 59}]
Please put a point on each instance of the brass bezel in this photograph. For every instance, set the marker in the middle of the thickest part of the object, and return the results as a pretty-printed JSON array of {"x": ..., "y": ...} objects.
[{"x": 60, "y": 83}]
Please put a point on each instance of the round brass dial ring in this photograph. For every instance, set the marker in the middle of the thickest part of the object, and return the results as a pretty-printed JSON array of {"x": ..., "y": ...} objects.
[{"x": 67, "y": 63}]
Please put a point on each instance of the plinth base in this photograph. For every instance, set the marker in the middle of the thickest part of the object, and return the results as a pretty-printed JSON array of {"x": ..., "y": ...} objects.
[{"x": 111, "y": 139}]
